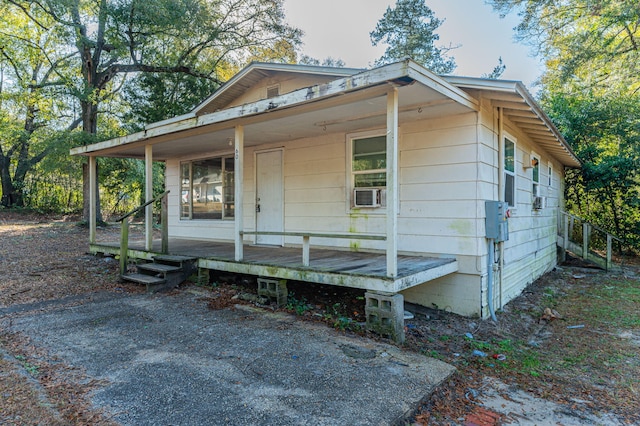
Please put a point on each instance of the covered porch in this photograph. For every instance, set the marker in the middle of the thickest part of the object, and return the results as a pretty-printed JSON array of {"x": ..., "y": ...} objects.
[{"x": 363, "y": 270}]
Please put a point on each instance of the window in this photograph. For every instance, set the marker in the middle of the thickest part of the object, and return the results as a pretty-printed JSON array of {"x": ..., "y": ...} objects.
[
  {"x": 535, "y": 178},
  {"x": 207, "y": 189},
  {"x": 369, "y": 162},
  {"x": 510, "y": 172},
  {"x": 550, "y": 175}
]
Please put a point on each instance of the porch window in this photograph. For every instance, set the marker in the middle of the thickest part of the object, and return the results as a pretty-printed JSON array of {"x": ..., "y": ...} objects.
[
  {"x": 369, "y": 162},
  {"x": 509, "y": 172},
  {"x": 207, "y": 189}
]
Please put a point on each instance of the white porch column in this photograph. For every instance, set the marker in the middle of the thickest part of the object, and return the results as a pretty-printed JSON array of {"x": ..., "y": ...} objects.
[
  {"x": 92, "y": 199},
  {"x": 392, "y": 182},
  {"x": 238, "y": 172},
  {"x": 148, "y": 196}
]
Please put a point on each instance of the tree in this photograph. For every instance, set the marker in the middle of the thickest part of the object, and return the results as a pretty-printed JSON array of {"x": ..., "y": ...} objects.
[
  {"x": 110, "y": 41},
  {"x": 605, "y": 133},
  {"x": 591, "y": 91},
  {"x": 32, "y": 110},
  {"x": 586, "y": 43},
  {"x": 497, "y": 71},
  {"x": 409, "y": 30}
]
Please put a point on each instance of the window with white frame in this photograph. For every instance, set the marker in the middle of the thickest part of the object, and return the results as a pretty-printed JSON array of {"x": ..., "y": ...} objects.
[
  {"x": 535, "y": 176},
  {"x": 510, "y": 172},
  {"x": 369, "y": 162},
  {"x": 367, "y": 155},
  {"x": 207, "y": 189}
]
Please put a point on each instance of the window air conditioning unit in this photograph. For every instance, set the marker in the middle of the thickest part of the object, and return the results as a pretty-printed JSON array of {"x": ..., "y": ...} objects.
[
  {"x": 366, "y": 197},
  {"x": 539, "y": 203}
]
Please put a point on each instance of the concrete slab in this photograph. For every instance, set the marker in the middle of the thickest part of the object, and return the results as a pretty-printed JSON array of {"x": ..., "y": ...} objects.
[{"x": 168, "y": 359}]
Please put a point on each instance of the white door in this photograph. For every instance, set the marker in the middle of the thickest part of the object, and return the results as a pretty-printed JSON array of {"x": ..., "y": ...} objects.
[{"x": 269, "y": 197}]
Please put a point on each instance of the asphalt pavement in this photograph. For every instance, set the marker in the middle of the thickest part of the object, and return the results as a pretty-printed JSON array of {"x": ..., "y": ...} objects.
[{"x": 167, "y": 359}]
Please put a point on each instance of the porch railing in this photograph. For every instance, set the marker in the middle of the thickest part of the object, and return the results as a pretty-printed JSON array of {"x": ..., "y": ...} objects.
[
  {"x": 586, "y": 240},
  {"x": 124, "y": 230},
  {"x": 306, "y": 236}
]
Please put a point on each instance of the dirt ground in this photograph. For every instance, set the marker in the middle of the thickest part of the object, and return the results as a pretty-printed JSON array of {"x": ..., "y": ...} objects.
[{"x": 581, "y": 354}]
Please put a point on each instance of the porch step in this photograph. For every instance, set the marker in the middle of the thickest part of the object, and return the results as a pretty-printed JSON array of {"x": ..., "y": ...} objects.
[
  {"x": 165, "y": 272},
  {"x": 158, "y": 268},
  {"x": 168, "y": 259},
  {"x": 143, "y": 279}
]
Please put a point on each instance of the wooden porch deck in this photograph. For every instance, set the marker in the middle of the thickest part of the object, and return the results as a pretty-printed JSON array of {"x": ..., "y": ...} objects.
[{"x": 326, "y": 266}]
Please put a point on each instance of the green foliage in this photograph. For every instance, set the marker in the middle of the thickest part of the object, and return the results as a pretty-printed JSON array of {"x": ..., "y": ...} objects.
[
  {"x": 584, "y": 42},
  {"x": 409, "y": 30},
  {"x": 110, "y": 67},
  {"x": 604, "y": 131},
  {"x": 299, "y": 306}
]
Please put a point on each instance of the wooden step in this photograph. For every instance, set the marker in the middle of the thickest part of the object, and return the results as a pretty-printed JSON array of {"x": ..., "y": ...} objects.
[
  {"x": 143, "y": 279},
  {"x": 159, "y": 268},
  {"x": 173, "y": 258}
]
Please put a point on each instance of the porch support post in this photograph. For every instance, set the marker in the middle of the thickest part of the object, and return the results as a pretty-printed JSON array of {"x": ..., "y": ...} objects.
[
  {"x": 238, "y": 173},
  {"x": 148, "y": 194},
  {"x": 92, "y": 199},
  {"x": 392, "y": 182}
]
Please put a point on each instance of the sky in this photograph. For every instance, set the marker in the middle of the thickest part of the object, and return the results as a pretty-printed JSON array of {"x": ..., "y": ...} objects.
[{"x": 340, "y": 29}]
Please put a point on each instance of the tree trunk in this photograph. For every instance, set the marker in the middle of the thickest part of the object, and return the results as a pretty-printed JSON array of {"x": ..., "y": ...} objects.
[
  {"x": 9, "y": 196},
  {"x": 89, "y": 125}
]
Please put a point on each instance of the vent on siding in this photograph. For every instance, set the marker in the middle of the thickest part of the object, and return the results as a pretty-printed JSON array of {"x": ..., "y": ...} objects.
[
  {"x": 273, "y": 91},
  {"x": 366, "y": 197}
]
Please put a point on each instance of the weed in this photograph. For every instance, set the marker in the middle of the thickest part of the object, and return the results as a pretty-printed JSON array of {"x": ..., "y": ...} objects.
[
  {"x": 432, "y": 354},
  {"x": 299, "y": 306},
  {"x": 338, "y": 318},
  {"x": 444, "y": 338},
  {"x": 34, "y": 370}
]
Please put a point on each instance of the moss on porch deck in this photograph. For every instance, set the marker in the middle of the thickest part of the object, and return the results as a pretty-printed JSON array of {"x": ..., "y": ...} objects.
[{"x": 363, "y": 270}]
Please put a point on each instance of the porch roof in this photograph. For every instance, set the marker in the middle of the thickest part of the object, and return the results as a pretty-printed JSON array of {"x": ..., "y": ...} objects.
[
  {"x": 351, "y": 102},
  {"x": 355, "y": 100}
]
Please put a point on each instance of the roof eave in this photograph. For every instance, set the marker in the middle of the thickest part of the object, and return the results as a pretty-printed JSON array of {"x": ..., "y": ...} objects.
[{"x": 395, "y": 73}]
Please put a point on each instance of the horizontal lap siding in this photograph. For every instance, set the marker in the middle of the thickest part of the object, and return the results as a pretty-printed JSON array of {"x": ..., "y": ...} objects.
[
  {"x": 531, "y": 249},
  {"x": 438, "y": 187}
]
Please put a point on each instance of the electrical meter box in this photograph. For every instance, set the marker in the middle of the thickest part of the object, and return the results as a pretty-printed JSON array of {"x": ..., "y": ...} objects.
[{"x": 496, "y": 224}]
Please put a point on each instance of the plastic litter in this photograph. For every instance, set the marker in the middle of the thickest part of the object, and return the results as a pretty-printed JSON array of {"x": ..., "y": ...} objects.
[
  {"x": 408, "y": 315},
  {"x": 499, "y": 357},
  {"x": 468, "y": 335},
  {"x": 476, "y": 352},
  {"x": 576, "y": 326},
  {"x": 410, "y": 326}
]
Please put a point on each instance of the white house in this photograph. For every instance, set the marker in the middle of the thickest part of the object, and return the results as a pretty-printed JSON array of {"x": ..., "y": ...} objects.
[{"x": 375, "y": 179}]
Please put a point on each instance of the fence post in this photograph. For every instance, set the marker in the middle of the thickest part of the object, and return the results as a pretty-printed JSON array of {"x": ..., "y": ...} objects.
[
  {"x": 124, "y": 245},
  {"x": 164, "y": 217},
  {"x": 609, "y": 248},
  {"x": 586, "y": 231},
  {"x": 565, "y": 236}
]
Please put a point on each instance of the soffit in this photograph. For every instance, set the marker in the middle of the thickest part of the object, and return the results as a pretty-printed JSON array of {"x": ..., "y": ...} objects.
[{"x": 519, "y": 107}]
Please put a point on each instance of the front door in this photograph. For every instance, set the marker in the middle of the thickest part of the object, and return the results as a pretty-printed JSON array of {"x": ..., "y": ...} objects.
[{"x": 269, "y": 197}]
